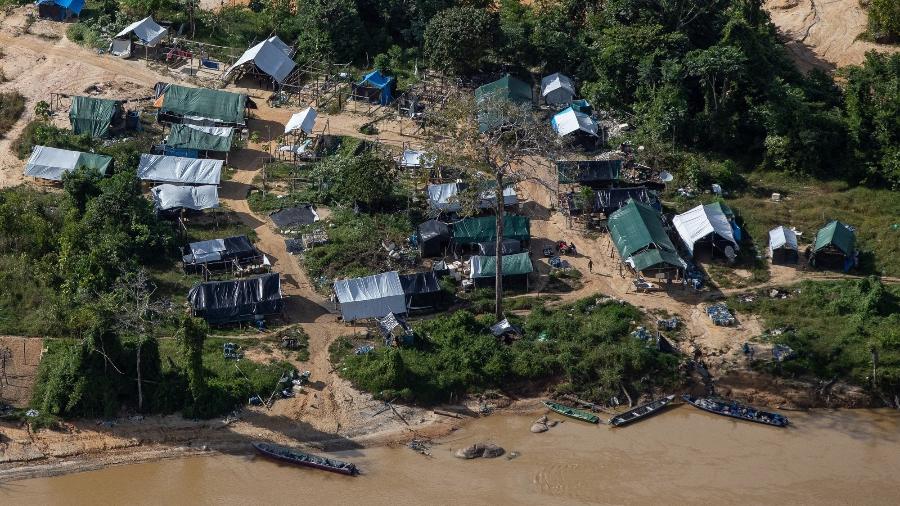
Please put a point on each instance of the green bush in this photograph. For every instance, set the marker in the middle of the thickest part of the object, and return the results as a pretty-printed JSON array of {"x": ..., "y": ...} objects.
[{"x": 12, "y": 105}]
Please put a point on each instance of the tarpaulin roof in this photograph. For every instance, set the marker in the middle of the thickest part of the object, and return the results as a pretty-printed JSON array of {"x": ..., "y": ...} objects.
[
  {"x": 378, "y": 80},
  {"x": 837, "y": 234},
  {"x": 202, "y": 138},
  {"x": 635, "y": 227},
  {"x": 432, "y": 229},
  {"x": 237, "y": 300},
  {"x": 484, "y": 229},
  {"x": 557, "y": 89},
  {"x": 176, "y": 169},
  {"x": 295, "y": 216},
  {"x": 655, "y": 258},
  {"x": 700, "y": 222},
  {"x": 420, "y": 282},
  {"x": 304, "y": 120},
  {"x": 52, "y": 163},
  {"x": 610, "y": 199},
  {"x": 508, "y": 247},
  {"x": 782, "y": 237},
  {"x": 568, "y": 120},
  {"x": 216, "y": 105},
  {"x": 270, "y": 57},
  {"x": 507, "y": 87},
  {"x": 371, "y": 296},
  {"x": 215, "y": 250},
  {"x": 73, "y": 5},
  {"x": 588, "y": 171},
  {"x": 146, "y": 30},
  {"x": 169, "y": 196},
  {"x": 444, "y": 197},
  {"x": 504, "y": 327},
  {"x": 414, "y": 159},
  {"x": 486, "y": 267},
  {"x": 93, "y": 116}
]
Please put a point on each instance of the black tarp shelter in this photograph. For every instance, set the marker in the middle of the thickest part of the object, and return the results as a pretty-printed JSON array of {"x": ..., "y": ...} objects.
[
  {"x": 422, "y": 290},
  {"x": 433, "y": 237},
  {"x": 220, "y": 302}
]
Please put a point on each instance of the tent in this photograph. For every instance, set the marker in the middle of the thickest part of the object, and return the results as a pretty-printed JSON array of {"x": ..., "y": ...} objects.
[
  {"x": 507, "y": 247},
  {"x": 638, "y": 235},
  {"x": 484, "y": 229},
  {"x": 180, "y": 104},
  {"x": 51, "y": 163},
  {"x": 588, "y": 172},
  {"x": 59, "y": 9},
  {"x": 175, "y": 169},
  {"x": 783, "y": 246},
  {"x": 835, "y": 247},
  {"x": 146, "y": 30},
  {"x": 569, "y": 121},
  {"x": 557, "y": 89},
  {"x": 506, "y": 88},
  {"x": 412, "y": 159},
  {"x": 218, "y": 250},
  {"x": 609, "y": 200},
  {"x": 445, "y": 197},
  {"x": 296, "y": 216},
  {"x": 422, "y": 290},
  {"x": 371, "y": 296},
  {"x": 376, "y": 86},
  {"x": 271, "y": 56},
  {"x": 433, "y": 238},
  {"x": 702, "y": 223},
  {"x": 304, "y": 121},
  {"x": 94, "y": 116},
  {"x": 220, "y": 302},
  {"x": 515, "y": 270},
  {"x": 169, "y": 196},
  {"x": 200, "y": 138}
]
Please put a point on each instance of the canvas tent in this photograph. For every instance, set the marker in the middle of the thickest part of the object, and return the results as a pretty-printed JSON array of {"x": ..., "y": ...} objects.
[
  {"x": 51, "y": 163},
  {"x": 484, "y": 229},
  {"x": 638, "y": 235},
  {"x": 515, "y": 270},
  {"x": 176, "y": 169},
  {"x": 220, "y": 302},
  {"x": 195, "y": 138},
  {"x": 94, "y": 116},
  {"x": 303, "y": 121},
  {"x": 557, "y": 89},
  {"x": 146, "y": 30},
  {"x": 783, "y": 246},
  {"x": 834, "y": 248},
  {"x": 167, "y": 197},
  {"x": 422, "y": 290},
  {"x": 371, "y": 296},
  {"x": 592, "y": 173},
  {"x": 506, "y": 88},
  {"x": 59, "y": 9},
  {"x": 445, "y": 197},
  {"x": 609, "y": 200},
  {"x": 271, "y": 56},
  {"x": 376, "y": 87},
  {"x": 433, "y": 238},
  {"x": 569, "y": 121},
  {"x": 218, "y": 250},
  {"x": 704, "y": 223},
  {"x": 180, "y": 104}
]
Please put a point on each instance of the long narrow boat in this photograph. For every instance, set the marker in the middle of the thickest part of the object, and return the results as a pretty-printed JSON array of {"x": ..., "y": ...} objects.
[
  {"x": 296, "y": 457},
  {"x": 577, "y": 414},
  {"x": 642, "y": 411},
  {"x": 735, "y": 410}
]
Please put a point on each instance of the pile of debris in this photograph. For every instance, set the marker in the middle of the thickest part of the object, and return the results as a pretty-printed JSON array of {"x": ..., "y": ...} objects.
[{"x": 720, "y": 315}]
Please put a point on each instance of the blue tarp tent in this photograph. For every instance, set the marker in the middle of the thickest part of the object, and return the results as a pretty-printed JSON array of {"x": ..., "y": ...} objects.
[
  {"x": 380, "y": 82},
  {"x": 59, "y": 9}
]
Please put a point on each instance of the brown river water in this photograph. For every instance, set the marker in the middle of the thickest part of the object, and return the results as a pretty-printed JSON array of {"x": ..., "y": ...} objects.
[{"x": 683, "y": 456}]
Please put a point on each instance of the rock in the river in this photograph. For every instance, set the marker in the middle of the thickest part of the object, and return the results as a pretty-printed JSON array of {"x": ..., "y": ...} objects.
[
  {"x": 492, "y": 451},
  {"x": 539, "y": 427},
  {"x": 486, "y": 450}
]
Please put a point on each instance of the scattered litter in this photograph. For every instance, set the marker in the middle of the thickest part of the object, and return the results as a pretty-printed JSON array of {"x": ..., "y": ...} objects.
[
  {"x": 420, "y": 446},
  {"x": 669, "y": 324},
  {"x": 362, "y": 350},
  {"x": 512, "y": 455},
  {"x": 776, "y": 197},
  {"x": 32, "y": 413},
  {"x": 782, "y": 352},
  {"x": 231, "y": 352},
  {"x": 747, "y": 298},
  {"x": 720, "y": 315},
  {"x": 642, "y": 333},
  {"x": 256, "y": 400}
]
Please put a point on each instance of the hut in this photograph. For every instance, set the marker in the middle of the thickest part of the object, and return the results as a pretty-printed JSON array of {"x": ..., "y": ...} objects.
[
  {"x": 271, "y": 57},
  {"x": 610, "y": 200},
  {"x": 783, "y": 247},
  {"x": 201, "y": 106},
  {"x": 375, "y": 87},
  {"x": 643, "y": 245},
  {"x": 221, "y": 302},
  {"x": 302, "y": 122},
  {"x": 433, "y": 238},
  {"x": 577, "y": 125},
  {"x": 195, "y": 141},
  {"x": 146, "y": 32},
  {"x": 471, "y": 231},
  {"x": 422, "y": 290},
  {"x": 506, "y": 88},
  {"x": 370, "y": 297},
  {"x": 592, "y": 173},
  {"x": 834, "y": 247},
  {"x": 52, "y": 163},
  {"x": 169, "y": 197},
  {"x": 706, "y": 225},
  {"x": 218, "y": 253},
  {"x": 59, "y": 10},
  {"x": 179, "y": 170},
  {"x": 516, "y": 269},
  {"x": 95, "y": 116},
  {"x": 557, "y": 89}
]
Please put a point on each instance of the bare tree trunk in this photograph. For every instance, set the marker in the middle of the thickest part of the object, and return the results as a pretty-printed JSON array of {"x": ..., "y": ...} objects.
[
  {"x": 498, "y": 276},
  {"x": 139, "y": 385}
]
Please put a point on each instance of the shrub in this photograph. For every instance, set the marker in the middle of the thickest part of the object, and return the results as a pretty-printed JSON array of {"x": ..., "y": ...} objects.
[{"x": 12, "y": 105}]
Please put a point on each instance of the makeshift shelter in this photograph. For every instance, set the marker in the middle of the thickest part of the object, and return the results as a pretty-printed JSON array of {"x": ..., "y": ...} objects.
[
  {"x": 638, "y": 235},
  {"x": 303, "y": 121},
  {"x": 59, "y": 10},
  {"x": 610, "y": 200},
  {"x": 412, "y": 159},
  {"x": 834, "y": 248},
  {"x": 375, "y": 87},
  {"x": 705, "y": 224},
  {"x": 783, "y": 246},
  {"x": 582, "y": 106},
  {"x": 557, "y": 89},
  {"x": 176, "y": 169},
  {"x": 221, "y": 302},
  {"x": 422, "y": 290},
  {"x": 168, "y": 197},
  {"x": 578, "y": 125},
  {"x": 516, "y": 269},
  {"x": 147, "y": 31},
  {"x": 371, "y": 296},
  {"x": 506, "y": 88},
  {"x": 294, "y": 217},
  {"x": 51, "y": 163},
  {"x": 95, "y": 116},
  {"x": 218, "y": 251},
  {"x": 471, "y": 231},
  {"x": 445, "y": 197},
  {"x": 201, "y": 106},
  {"x": 433, "y": 238},
  {"x": 195, "y": 138},
  {"x": 395, "y": 330},
  {"x": 271, "y": 57},
  {"x": 507, "y": 247},
  {"x": 504, "y": 328},
  {"x": 593, "y": 173}
]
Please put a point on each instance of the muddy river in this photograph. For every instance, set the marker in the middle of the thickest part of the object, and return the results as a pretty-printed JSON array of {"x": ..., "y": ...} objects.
[{"x": 683, "y": 456}]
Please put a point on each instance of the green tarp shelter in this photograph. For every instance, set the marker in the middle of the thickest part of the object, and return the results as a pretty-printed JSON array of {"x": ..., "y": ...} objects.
[
  {"x": 640, "y": 238},
  {"x": 93, "y": 116},
  {"x": 656, "y": 258},
  {"x": 200, "y": 138},
  {"x": 484, "y": 229},
  {"x": 513, "y": 265},
  {"x": 506, "y": 88},
  {"x": 220, "y": 106},
  {"x": 838, "y": 235}
]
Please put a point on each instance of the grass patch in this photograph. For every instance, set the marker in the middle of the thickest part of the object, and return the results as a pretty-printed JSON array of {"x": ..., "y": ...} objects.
[
  {"x": 302, "y": 338},
  {"x": 12, "y": 105},
  {"x": 481, "y": 301}
]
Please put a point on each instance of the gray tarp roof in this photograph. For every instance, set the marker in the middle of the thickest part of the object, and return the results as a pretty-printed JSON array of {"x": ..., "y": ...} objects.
[
  {"x": 51, "y": 163},
  {"x": 214, "y": 250},
  {"x": 569, "y": 120},
  {"x": 557, "y": 89},
  {"x": 782, "y": 237},
  {"x": 444, "y": 197},
  {"x": 371, "y": 296},
  {"x": 270, "y": 57},
  {"x": 169, "y": 196},
  {"x": 176, "y": 169},
  {"x": 702, "y": 221},
  {"x": 147, "y": 30}
]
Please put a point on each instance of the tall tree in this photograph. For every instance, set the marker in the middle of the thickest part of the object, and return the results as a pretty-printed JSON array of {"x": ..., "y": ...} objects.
[{"x": 458, "y": 40}]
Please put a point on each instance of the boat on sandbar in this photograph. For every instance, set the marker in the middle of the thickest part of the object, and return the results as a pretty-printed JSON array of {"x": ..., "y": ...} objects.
[
  {"x": 642, "y": 411},
  {"x": 571, "y": 412},
  {"x": 296, "y": 457},
  {"x": 737, "y": 410}
]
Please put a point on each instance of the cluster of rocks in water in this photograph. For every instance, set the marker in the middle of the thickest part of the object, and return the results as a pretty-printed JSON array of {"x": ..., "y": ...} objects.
[
  {"x": 485, "y": 450},
  {"x": 543, "y": 424}
]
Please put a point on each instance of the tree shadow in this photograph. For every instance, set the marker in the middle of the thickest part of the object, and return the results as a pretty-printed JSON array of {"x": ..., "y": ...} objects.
[{"x": 268, "y": 130}]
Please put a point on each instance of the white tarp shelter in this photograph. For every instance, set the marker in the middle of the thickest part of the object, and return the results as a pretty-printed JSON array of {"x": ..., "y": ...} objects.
[
  {"x": 120, "y": 48},
  {"x": 782, "y": 237},
  {"x": 557, "y": 89},
  {"x": 304, "y": 120},
  {"x": 205, "y": 251},
  {"x": 51, "y": 163},
  {"x": 146, "y": 30},
  {"x": 176, "y": 169},
  {"x": 444, "y": 197},
  {"x": 169, "y": 196},
  {"x": 569, "y": 120},
  {"x": 700, "y": 222},
  {"x": 271, "y": 57},
  {"x": 413, "y": 159},
  {"x": 371, "y": 296}
]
